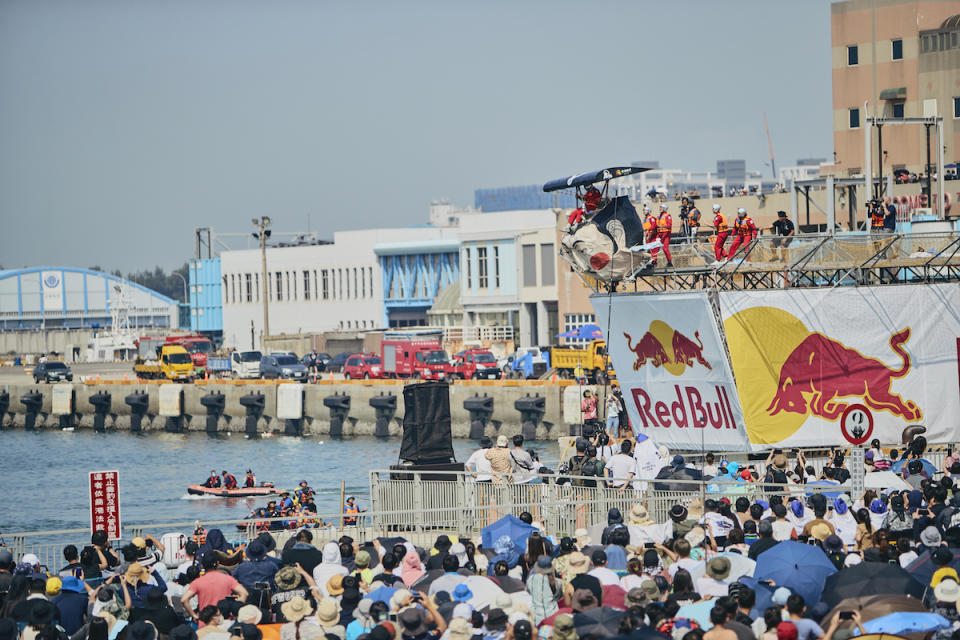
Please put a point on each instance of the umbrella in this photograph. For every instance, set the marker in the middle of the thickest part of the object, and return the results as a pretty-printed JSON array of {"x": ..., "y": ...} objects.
[
  {"x": 381, "y": 594},
  {"x": 484, "y": 591},
  {"x": 602, "y": 621},
  {"x": 586, "y": 332},
  {"x": 867, "y": 579},
  {"x": 423, "y": 584},
  {"x": 922, "y": 568},
  {"x": 699, "y": 611},
  {"x": 509, "y": 525},
  {"x": 885, "y": 480},
  {"x": 871, "y": 607},
  {"x": 764, "y": 596},
  {"x": 907, "y": 622},
  {"x": 928, "y": 468},
  {"x": 740, "y": 565},
  {"x": 508, "y": 584},
  {"x": 802, "y": 568},
  {"x": 614, "y": 596}
]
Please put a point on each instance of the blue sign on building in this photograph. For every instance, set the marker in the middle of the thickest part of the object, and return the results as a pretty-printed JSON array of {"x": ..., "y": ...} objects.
[{"x": 206, "y": 296}]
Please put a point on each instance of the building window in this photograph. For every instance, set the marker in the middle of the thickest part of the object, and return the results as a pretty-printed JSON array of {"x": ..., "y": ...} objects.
[
  {"x": 854, "y": 118},
  {"x": 853, "y": 55},
  {"x": 956, "y": 107},
  {"x": 363, "y": 283},
  {"x": 249, "y": 281},
  {"x": 256, "y": 286},
  {"x": 324, "y": 285},
  {"x": 370, "y": 277},
  {"x": 529, "y": 265},
  {"x": 232, "y": 291},
  {"x": 547, "y": 262},
  {"x": 279, "y": 290},
  {"x": 226, "y": 291},
  {"x": 897, "y": 49},
  {"x": 354, "y": 282},
  {"x": 468, "y": 270},
  {"x": 306, "y": 285},
  {"x": 897, "y": 109},
  {"x": 287, "y": 279},
  {"x": 496, "y": 266},
  {"x": 315, "y": 285},
  {"x": 482, "y": 281},
  {"x": 340, "y": 284}
]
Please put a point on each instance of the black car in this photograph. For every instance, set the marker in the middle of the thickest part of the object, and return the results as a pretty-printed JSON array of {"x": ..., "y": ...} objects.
[
  {"x": 336, "y": 362},
  {"x": 53, "y": 371}
]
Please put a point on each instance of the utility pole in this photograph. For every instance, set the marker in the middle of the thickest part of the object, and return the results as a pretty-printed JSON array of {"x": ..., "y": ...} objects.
[{"x": 262, "y": 233}]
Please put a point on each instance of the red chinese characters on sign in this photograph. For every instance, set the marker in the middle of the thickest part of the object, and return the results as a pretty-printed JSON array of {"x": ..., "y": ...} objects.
[{"x": 105, "y": 502}]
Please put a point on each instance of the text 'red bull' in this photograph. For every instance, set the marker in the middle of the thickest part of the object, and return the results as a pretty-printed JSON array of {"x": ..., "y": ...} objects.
[{"x": 688, "y": 410}]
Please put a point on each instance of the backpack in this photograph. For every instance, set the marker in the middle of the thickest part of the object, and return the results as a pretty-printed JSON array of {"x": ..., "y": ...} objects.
[
  {"x": 881, "y": 465},
  {"x": 575, "y": 466},
  {"x": 590, "y": 468}
]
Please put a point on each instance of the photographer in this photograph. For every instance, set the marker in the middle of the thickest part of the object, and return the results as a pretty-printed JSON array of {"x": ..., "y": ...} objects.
[{"x": 875, "y": 214}]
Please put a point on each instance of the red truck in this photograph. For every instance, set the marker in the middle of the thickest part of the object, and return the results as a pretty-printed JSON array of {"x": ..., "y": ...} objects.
[
  {"x": 475, "y": 364},
  {"x": 199, "y": 347},
  {"x": 405, "y": 354}
]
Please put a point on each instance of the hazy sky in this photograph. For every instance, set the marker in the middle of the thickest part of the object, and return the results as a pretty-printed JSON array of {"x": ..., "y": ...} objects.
[{"x": 125, "y": 124}]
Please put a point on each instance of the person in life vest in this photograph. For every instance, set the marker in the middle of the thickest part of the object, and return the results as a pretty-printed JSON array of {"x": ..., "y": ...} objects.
[
  {"x": 664, "y": 229},
  {"x": 592, "y": 200},
  {"x": 213, "y": 481},
  {"x": 250, "y": 480},
  {"x": 199, "y": 534},
  {"x": 876, "y": 213},
  {"x": 691, "y": 218},
  {"x": 720, "y": 226},
  {"x": 744, "y": 231},
  {"x": 649, "y": 224},
  {"x": 350, "y": 509},
  {"x": 229, "y": 482}
]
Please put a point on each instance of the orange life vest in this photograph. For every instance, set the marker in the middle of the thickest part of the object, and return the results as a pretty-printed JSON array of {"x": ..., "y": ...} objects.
[{"x": 720, "y": 222}]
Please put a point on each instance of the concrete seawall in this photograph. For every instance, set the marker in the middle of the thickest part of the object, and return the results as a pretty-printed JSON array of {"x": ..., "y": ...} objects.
[{"x": 561, "y": 403}]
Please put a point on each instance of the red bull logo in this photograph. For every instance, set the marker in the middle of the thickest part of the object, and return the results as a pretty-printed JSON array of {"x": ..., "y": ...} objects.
[
  {"x": 820, "y": 371},
  {"x": 663, "y": 346}
]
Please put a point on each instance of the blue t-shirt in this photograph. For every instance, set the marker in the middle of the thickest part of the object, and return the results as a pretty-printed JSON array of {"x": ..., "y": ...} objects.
[
  {"x": 890, "y": 220},
  {"x": 807, "y": 629}
]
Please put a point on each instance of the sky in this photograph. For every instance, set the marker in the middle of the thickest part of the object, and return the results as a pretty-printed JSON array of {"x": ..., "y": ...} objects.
[{"x": 126, "y": 124}]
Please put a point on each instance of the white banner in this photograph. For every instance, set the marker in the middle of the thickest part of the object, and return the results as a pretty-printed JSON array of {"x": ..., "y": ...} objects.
[
  {"x": 673, "y": 370},
  {"x": 52, "y": 284},
  {"x": 845, "y": 365}
]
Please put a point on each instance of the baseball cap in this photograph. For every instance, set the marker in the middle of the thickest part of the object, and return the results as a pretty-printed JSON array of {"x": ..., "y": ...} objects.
[
  {"x": 139, "y": 543},
  {"x": 30, "y": 559}
]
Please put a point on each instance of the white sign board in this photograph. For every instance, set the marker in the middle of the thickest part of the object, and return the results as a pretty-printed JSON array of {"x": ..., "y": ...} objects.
[
  {"x": 171, "y": 400},
  {"x": 290, "y": 401},
  {"x": 62, "y": 401},
  {"x": 673, "y": 369},
  {"x": 52, "y": 285}
]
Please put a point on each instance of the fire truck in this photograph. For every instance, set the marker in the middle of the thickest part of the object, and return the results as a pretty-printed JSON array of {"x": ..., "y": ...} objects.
[{"x": 405, "y": 354}]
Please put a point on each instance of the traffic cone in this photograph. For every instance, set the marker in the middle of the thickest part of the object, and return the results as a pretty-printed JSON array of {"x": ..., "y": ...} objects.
[
  {"x": 553, "y": 378},
  {"x": 331, "y": 376}
]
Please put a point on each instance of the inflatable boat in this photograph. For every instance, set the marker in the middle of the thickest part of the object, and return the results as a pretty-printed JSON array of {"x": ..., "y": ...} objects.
[{"x": 239, "y": 492}]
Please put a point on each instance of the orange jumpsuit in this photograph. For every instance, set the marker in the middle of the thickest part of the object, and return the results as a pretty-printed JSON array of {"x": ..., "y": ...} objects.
[
  {"x": 720, "y": 224},
  {"x": 744, "y": 232}
]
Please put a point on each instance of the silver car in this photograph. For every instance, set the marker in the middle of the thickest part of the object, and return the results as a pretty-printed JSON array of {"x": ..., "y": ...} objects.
[{"x": 283, "y": 366}]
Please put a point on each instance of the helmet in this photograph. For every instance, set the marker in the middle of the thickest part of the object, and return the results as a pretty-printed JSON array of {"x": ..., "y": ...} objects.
[
  {"x": 663, "y": 206},
  {"x": 646, "y": 209},
  {"x": 716, "y": 207},
  {"x": 741, "y": 211}
]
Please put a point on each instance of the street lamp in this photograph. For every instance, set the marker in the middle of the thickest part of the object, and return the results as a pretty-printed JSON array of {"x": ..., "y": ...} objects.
[
  {"x": 262, "y": 233},
  {"x": 186, "y": 298}
]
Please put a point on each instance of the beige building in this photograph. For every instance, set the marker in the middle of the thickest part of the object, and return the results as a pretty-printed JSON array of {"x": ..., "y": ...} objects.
[{"x": 894, "y": 55}]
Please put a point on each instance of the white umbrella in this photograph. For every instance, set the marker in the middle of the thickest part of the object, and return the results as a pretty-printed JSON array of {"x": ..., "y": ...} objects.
[
  {"x": 484, "y": 591},
  {"x": 884, "y": 480},
  {"x": 740, "y": 565}
]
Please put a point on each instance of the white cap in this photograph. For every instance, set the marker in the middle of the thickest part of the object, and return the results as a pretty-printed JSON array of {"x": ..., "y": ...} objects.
[
  {"x": 741, "y": 211},
  {"x": 663, "y": 206},
  {"x": 716, "y": 207},
  {"x": 30, "y": 559}
]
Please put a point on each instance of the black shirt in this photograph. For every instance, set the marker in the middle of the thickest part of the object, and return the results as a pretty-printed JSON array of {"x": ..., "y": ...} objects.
[
  {"x": 782, "y": 226},
  {"x": 308, "y": 558},
  {"x": 760, "y": 546}
]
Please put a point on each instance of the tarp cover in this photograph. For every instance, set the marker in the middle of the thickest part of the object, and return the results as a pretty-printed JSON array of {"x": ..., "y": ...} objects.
[
  {"x": 590, "y": 177},
  {"x": 426, "y": 423}
]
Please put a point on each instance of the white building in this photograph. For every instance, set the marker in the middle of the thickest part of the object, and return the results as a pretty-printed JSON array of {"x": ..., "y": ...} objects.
[
  {"x": 312, "y": 288},
  {"x": 508, "y": 272}
]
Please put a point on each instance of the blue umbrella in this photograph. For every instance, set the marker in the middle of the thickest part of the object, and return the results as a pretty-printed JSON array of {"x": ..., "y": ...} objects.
[
  {"x": 764, "y": 596},
  {"x": 802, "y": 568},
  {"x": 928, "y": 468},
  {"x": 586, "y": 332},
  {"x": 700, "y": 612},
  {"x": 381, "y": 594},
  {"x": 904, "y": 622},
  {"x": 509, "y": 525}
]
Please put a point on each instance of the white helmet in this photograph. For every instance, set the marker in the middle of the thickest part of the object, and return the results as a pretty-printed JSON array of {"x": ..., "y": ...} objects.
[
  {"x": 646, "y": 209},
  {"x": 716, "y": 207},
  {"x": 741, "y": 211},
  {"x": 663, "y": 206}
]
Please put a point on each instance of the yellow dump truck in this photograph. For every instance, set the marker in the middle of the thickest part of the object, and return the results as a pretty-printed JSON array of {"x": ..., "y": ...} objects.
[
  {"x": 593, "y": 360},
  {"x": 173, "y": 363}
]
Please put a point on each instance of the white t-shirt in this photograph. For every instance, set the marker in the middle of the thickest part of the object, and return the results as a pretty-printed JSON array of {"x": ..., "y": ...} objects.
[
  {"x": 710, "y": 470},
  {"x": 478, "y": 463},
  {"x": 631, "y": 581},
  {"x": 907, "y": 558},
  {"x": 621, "y": 466},
  {"x": 719, "y": 525},
  {"x": 782, "y": 530},
  {"x": 605, "y": 576},
  {"x": 707, "y": 586},
  {"x": 686, "y": 564}
]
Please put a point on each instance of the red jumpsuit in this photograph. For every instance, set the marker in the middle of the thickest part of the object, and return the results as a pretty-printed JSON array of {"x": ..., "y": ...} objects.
[
  {"x": 744, "y": 232},
  {"x": 664, "y": 229},
  {"x": 720, "y": 224},
  {"x": 650, "y": 227}
]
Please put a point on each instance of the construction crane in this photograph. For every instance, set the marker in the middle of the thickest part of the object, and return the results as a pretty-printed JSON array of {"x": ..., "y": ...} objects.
[{"x": 773, "y": 165}]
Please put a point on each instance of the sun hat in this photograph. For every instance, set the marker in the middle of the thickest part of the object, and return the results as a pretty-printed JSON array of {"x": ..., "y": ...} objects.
[
  {"x": 459, "y": 629},
  {"x": 335, "y": 585},
  {"x": 678, "y": 513},
  {"x": 461, "y": 593},
  {"x": 399, "y": 597},
  {"x": 577, "y": 563},
  {"x": 250, "y": 614},
  {"x": 639, "y": 515},
  {"x": 718, "y": 567},
  {"x": 136, "y": 572},
  {"x": 503, "y": 601},
  {"x": 141, "y": 630},
  {"x": 139, "y": 543},
  {"x": 30, "y": 559},
  {"x": 296, "y": 609},
  {"x": 820, "y": 531},
  {"x": 286, "y": 578},
  {"x": 256, "y": 551},
  {"x": 413, "y": 621},
  {"x": 877, "y": 506},
  {"x": 563, "y": 628},
  {"x": 636, "y": 597},
  {"x": 155, "y": 599},
  {"x": 328, "y": 612},
  {"x": 780, "y": 461},
  {"x": 930, "y": 537},
  {"x": 463, "y": 610},
  {"x": 583, "y": 537},
  {"x": 947, "y": 591},
  {"x": 695, "y": 536},
  {"x": 833, "y": 544},
  {"x": 544, "y": 565},
  {"x": 852, "y": 560},
  {"x": 502, "y": 441},
  {"x": 650, "y": 589},
  {"x": 182, "y": 632}
]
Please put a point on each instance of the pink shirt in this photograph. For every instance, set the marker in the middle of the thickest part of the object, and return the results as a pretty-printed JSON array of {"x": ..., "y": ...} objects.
[{"x": 212, "y": 587}]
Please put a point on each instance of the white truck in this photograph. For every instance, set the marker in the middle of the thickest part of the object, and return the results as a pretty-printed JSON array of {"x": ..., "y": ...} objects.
[{"x": 245, "y": 364}]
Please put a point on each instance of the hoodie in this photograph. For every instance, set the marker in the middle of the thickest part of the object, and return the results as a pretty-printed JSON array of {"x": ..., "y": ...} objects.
[
  {"x": 614, "y": 521},
  {"x": 329, "y": 566},
  {"x": 411, "y": 570}
]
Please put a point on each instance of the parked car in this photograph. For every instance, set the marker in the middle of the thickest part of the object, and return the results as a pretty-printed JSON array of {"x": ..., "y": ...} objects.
[
  {"x": 319, "y": 360},
  {"x": 53, "y": 371},
  {"x": 283, "y": 366},
  {"x": 363, "y": 365},
  {"x": 336, "y": 363},
  {"x": 245, "y": 364}
]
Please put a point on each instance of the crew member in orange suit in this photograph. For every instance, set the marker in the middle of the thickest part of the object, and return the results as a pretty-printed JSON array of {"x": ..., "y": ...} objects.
[
  {"x": 664, "y": 229},
  {"x": 744, "y": 231},
  {"x": 720, "y": 225}
]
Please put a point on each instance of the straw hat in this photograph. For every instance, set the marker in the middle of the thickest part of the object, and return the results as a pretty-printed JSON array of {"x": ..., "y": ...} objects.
[
  {"x": 328, "y": 612},
  {"x": 640, "y": 516},
  {"x": 335, "y": 585},
  {"x": 250, "y": 614},
  {"x": 947, "y": 591},
  {"x": 583, "y": 538},
  {"x": 718, "y": 567},
  {"x": 136, "y": 572},
  {"x": 820, "y": 531},
  {"x": 296, "y": 609},
  {"x": 577, "y": 564}
]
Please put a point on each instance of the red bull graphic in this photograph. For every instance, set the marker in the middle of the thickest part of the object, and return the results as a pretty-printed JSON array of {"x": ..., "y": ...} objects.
[
  {"x": 821, "y": 370},
  {"x": 683, "y": 352},
  {"x": 689, "y": 410}
]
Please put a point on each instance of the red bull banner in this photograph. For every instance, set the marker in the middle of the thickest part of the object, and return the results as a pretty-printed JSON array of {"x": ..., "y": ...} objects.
[
  {"x": 673, "y": 369},
  {"x": 846, "y": 365}
]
